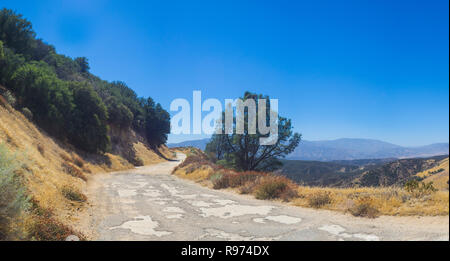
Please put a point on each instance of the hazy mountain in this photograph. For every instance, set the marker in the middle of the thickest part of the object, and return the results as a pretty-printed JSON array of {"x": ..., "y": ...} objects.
[
  {"x": 347, "y": 149},
  {"x": 350, "y": 149},
  {"x": 200, "y": 144}
]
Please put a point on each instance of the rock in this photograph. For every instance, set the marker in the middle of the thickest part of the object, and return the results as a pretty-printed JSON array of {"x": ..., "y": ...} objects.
[{"x": 72, "y": 238}]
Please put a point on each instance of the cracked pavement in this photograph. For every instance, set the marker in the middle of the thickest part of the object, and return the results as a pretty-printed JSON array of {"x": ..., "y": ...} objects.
[{"x": 149, "y": 203}]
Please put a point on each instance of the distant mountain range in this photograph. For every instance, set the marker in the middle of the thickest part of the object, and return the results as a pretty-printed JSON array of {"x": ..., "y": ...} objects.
[
  {"x": 199, "y": 144},
  {"x": 347, "y": 149},
  {"x": 359, "y": 173},
  {"x": 351, "y": 149}
]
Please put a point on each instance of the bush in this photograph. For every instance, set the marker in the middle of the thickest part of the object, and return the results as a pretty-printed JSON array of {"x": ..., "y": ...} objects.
[
  {"x": 73, "y": 194},
  {"x": 364, "y": 208},
  {"x": 319, "y": 199},
  {"x": 275, "y": 187},
  {"x": 436, "y": 171},
  {"x": 13, "y": 199},
  {"x": 27, "y": 113},
  {"x": 215, "y": 177},
  {"x": 418, "y": 188},
  {"x": 236, "y": 179},
  {"x": 9, "y": 97}
]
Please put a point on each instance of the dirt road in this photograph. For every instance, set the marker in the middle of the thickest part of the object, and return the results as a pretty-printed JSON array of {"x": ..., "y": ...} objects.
[{"x": 149, "y": 203}]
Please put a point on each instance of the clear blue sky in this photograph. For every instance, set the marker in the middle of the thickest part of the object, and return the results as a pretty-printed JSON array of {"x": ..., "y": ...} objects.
[{"x": 359, "y": 69}]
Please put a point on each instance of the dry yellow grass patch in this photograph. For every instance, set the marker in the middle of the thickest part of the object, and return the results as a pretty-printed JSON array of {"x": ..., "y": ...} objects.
[
  {"x": 41, "y": 161},
  {"x": 198, "y": 174},
  {"x": 388, "y": 201},
  {"x": 439, "y": 179},
  {"x": 48, "y": 166},
  {"x": 149, "y": 157}
]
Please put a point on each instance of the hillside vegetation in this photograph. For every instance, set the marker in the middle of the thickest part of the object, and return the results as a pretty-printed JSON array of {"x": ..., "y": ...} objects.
[
  {"x": 52, "y": 176},
  {"x": 370, "y": 202},
  {"x": 62, "y": 97},
  {"x": 437, "y": 174},
  {"x": 60, "y": 124}
]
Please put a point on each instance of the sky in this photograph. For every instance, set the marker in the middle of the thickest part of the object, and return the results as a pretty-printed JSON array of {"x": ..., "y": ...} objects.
[{"x": 340, "y": 69}]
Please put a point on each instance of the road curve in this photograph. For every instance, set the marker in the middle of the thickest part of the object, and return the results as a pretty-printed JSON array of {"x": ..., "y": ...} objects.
[{"x": 149, "y": 203}]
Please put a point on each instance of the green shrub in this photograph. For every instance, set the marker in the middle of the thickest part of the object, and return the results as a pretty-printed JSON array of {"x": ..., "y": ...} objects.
[
  {"x": 270, "y": 190},
  {"x": 27, "y": 113},
  {"x": 9, "y": 97},
  {"x": 418, "y": 188},
  {"x": 13, "y": 198},
  {"x": 436, "y": 171},
  {"x": 215, "y": 177}
]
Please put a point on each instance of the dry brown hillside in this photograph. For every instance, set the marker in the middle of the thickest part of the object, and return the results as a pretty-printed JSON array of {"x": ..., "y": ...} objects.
[
  {"x": 438, "y": 175},
  {"x": 53, "y": 172}
]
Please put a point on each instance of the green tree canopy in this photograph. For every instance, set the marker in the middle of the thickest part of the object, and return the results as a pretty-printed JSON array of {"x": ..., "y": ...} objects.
[
  {"x": 65, "y": 98},
  {"x": 89, "y": 129},
  {"x": 244, "y": 151}
]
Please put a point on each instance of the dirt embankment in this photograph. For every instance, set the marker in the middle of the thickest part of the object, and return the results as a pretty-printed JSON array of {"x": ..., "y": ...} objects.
[{"x": 55, "y": 173}]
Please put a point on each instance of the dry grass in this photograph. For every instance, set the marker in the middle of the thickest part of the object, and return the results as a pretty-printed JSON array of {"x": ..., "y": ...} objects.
[
  {"x": 45, "y": 164},
  {"x": 439, "y": 175},
  {"x": 73, "y": 170},
  {"x": 319, "y": 199},
  {"x": 363, "y": 202},
  {"x": 73, "y": 194},
  {"x": 42, "y": 225},
  {"x": 387, "y": 201},
  {"x": 147, "y": 156}
]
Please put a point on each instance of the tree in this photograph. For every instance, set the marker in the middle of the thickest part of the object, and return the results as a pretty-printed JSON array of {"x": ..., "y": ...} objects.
[
  {"x": 83, "y": 64},
  {"x": 42, "y": 50},
  {"x": 157, "y": 123},
  {"x": 65, "y": 98},
  {"x": 9, "y": 62},
  {"x": 16, "y": 32},
  {"x": 244, "y": 151},
  {"x": 2, "y": 52},
  {"x": 217, "y": 147},
  {"x": 89, "y": 130},
  {"x": 118, "y": 114},
  {"x": 49, "y": 98}
]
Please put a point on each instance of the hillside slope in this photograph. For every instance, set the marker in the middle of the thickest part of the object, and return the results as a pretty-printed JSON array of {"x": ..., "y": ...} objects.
[
  {"x": 437, "y": 174},
  {"x": 53, "y": 171},
  {"x": 364, "y": 173},
  {"x": 397, "y": 172}
]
